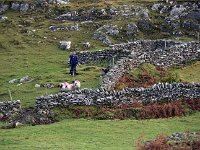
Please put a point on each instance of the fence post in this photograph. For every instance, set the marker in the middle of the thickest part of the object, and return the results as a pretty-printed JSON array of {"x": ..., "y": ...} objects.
[
  {"x": 113, "y": 61},
  {"x": 10, "y": 94}
]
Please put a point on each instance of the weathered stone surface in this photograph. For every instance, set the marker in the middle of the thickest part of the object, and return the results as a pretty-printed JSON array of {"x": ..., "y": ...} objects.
[
  {"x": 15, "y": 6},
  {"x": 9, "y": 108},
  {"x": 65, "y": 45},
  {"x": 14, "y": 81},
  {"x": 157, "y": 7},
  {"x": 103, "y": 32},
  {"x": 132, "y": 29},
  {"x": 144, "y": 25},
  {"x": 158, "y": 92},
  {"x": 194, "y": 15},
  {"x": 3, "y": 18},
  {"x": 129, "y": 55},
  {"x": 3, "y": 7},
  {"x": 24, "y": 7},
  {"x": 25, "y": 79},
  {"x": 66, "y": 28}
]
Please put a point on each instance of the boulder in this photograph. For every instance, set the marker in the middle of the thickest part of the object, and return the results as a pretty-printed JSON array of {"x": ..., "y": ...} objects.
[
  {"x": 62, "y": 2},
  {"x": 24, "y": 7},
  {"x": 177, "y": 10},
  {"x": 15, "y": 6},
  {"x": 3, "y": 18},
  {"x": 157, "y": 7},
  {"x": 132, "y": 29},
  {"x": 144, "y": 25},
  {"x": 14, "y": 81},
  {"x": 65, "y": 45},
  {"x": 25, "y": 79},
  {"x": 87, "y": 45},
  {"x": 3, "y": 8}
]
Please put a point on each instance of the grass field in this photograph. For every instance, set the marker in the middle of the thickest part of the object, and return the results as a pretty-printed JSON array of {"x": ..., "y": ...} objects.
[
  {"x": 94, "y": 134},
  {"x": 36, "y": 53}
]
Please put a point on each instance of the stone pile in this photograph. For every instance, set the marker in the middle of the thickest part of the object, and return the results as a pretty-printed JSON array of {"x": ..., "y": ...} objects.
[
  {"x": 85, "y": 15},
  {"x": 9, "y": 108},
  {"x": 103, "y": 32},
  {"x": 158, "y": 92},
  {"x": 66, "y": 28},
  {"x": 22, "y": 7}
]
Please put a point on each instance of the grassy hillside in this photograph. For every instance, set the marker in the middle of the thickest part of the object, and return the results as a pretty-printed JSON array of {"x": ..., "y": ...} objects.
[{"x": 28, "y": 47}]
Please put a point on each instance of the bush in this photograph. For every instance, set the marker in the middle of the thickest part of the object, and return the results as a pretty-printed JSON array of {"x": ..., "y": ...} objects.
[
  {"x": 160, "y": 143},
  {"x": 163, "y": 110}
]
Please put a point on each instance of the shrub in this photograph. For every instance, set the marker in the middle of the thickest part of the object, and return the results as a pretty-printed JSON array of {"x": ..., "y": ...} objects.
[
  {"x": 163, "y": 110},
  {"x": 160, "y": 143},
  {"x": 193, "y": 104}
]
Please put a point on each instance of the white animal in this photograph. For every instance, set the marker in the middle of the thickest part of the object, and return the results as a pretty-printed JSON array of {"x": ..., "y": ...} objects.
[
  {"x": 76, "y": 85},
  {"x": 65, "y": 86}
]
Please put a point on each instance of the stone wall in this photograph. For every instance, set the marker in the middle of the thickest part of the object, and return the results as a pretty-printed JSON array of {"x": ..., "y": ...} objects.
[
  {"x": 98, "y": 97},
  {"x": 86, "y": 57},
  {"x": 130, "y": 55},
  {"x": 9, "y": 108}
]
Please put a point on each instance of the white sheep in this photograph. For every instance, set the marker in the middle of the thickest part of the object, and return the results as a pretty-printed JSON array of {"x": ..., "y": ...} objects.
[{"x": 65, "y": 86}]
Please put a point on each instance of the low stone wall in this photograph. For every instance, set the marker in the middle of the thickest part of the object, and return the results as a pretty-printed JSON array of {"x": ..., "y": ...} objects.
[
  {"x": 130, "y": 55},
  {"x": 102, "y": 55},
  {"x": 8, "y": 108},
  {"x": 158, "y": 92},
  {"x": 164, "y": 53}
]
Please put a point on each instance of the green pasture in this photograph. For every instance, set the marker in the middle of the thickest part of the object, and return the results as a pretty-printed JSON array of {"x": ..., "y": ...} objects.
[{"x": 84, "y": 134}]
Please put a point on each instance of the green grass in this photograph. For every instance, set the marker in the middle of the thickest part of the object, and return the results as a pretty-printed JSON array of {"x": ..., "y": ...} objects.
[
  {"x": 37, "y": 53},
  {"x": 94, "y": 134},
  {"x": 39, "y": 57},
  {"x": 190, "y": 73}
]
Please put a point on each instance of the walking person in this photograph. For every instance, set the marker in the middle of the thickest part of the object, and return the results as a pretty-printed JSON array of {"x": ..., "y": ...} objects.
[{"x": 73, "y": 61}]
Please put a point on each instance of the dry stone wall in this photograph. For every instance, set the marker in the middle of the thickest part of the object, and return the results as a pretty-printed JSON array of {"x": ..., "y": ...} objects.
[
  {"x": 159, "y": 52},
  {"x": 98, "y": 97},
  {"x": 101, "y": 55},
  {"x": 9, "y": 108},
  {"x": 130, "y": 55}
]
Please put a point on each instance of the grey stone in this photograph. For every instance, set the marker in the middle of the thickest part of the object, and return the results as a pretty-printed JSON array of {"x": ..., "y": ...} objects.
[
  {"x": 14, "y": 81},
  {"x": 25, "y": 79},
  {"x": 24, "y": 7},
  {"x": 66, "y": 45},
  {"x": 157, "y": 7},
  {"x": 15, "y": 6},
  {"x": 3, "y": 18}
]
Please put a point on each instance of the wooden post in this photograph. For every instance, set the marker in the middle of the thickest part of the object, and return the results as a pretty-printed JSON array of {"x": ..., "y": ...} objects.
[
  {"x": 113, "y": 61},
  {"x": 10, "y": 94}
]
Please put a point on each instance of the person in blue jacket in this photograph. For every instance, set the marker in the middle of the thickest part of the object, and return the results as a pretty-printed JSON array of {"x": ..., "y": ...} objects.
[{"x": 73, "y": 61}]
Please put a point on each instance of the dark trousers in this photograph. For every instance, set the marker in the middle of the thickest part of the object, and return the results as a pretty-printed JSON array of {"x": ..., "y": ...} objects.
[{"x": 73, "y": 69}]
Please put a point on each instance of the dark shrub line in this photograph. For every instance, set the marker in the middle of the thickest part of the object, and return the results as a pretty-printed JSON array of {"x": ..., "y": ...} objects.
[{"x": 135, "y": 110}]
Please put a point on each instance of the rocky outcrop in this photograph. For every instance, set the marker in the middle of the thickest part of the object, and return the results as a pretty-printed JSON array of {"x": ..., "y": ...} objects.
[{"x": 65, "y": 28}]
